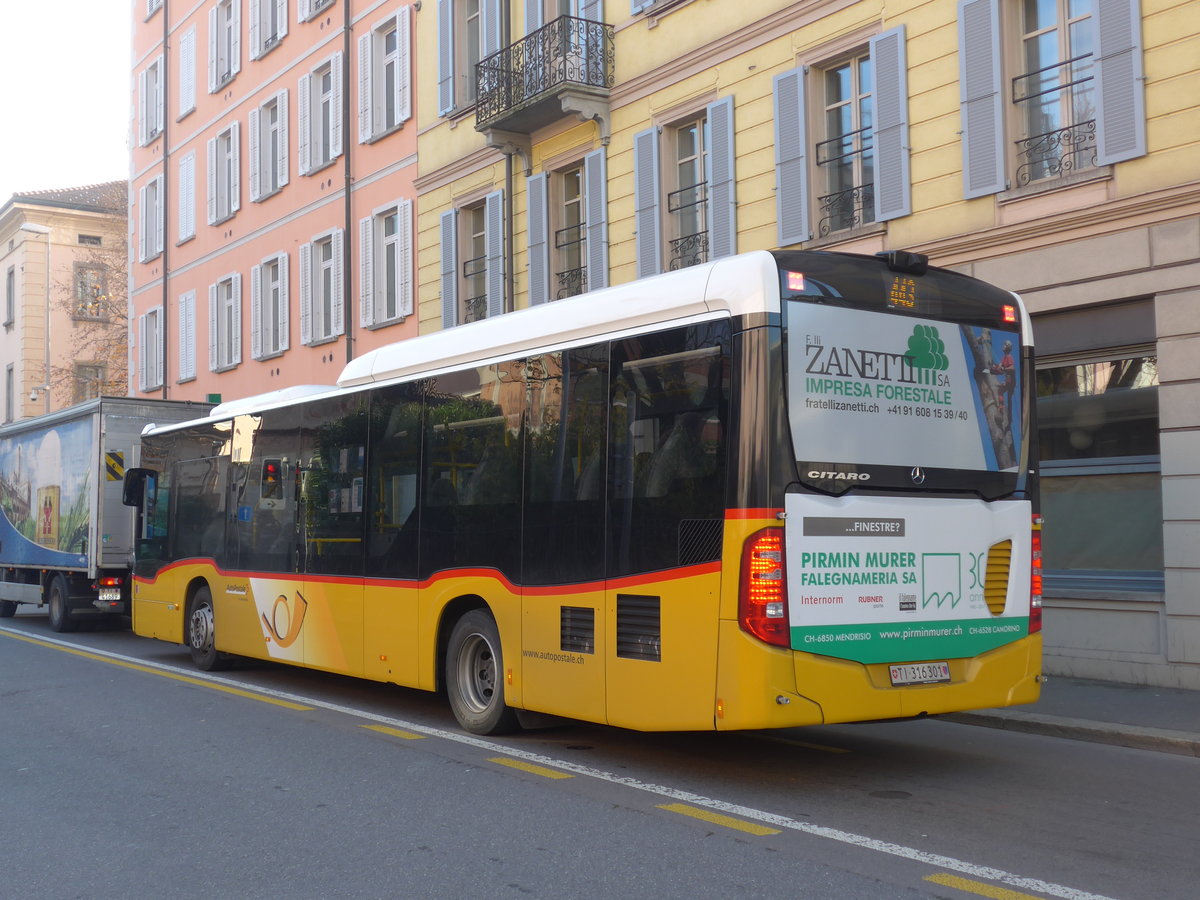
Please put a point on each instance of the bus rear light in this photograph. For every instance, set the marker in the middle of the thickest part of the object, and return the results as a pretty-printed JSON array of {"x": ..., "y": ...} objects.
[
  {"x": 1035, "y": 577},
  {"x": 762, "y": 601},
  {"x": 1010, "y": 314}
]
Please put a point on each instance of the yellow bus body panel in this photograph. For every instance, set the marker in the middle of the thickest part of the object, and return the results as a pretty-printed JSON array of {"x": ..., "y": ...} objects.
[
  {"x": 390, "y": 646},
  {"x": 563, "y": 682}
]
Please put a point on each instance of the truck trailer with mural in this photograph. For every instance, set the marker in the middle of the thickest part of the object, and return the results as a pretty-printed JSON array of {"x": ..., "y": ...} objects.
[{"x": 66, "y": 539}]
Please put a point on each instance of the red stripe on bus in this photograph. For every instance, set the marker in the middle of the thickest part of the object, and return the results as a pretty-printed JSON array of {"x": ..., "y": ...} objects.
[{"x": 765, "y": 513}]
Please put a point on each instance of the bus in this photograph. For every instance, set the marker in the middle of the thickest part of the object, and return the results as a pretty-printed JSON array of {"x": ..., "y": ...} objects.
[{"x": 777, "y": 489}]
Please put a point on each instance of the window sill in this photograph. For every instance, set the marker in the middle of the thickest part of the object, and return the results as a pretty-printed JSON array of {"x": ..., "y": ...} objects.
[
  {"x": 1050, "y": 185},
  {"x": 190, "y": 378},
  {"x": 224, "y": 83},
  {"x": 850, "y": 234},
  {"x": 387, "y": 132},
  {"x": 274, "y": 354},
  {"x": 661, "y": 8},
  {"x": 184, "y": 114},
  {"x": 319, "y": 167},
  {"x": 226, "y": 368},
  {"x": 262, "y": 198},
  {"x": 271, "y": 44},
  {"x": 185, "y": 240},
  {"x": 91, "y": 320},
  {"x": 317, "y": 342},
  {"x": 221, "y": 221},
  {"x": 376, "y": 326}
]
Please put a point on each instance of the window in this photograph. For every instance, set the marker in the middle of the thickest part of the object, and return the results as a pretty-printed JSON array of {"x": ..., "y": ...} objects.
[
  {"x": 386, "y": 265},
  {"x": 224, "y": 193},
  {"x": 150, "y": 232},
  {"x": 268, "y": 25},
  {"x": 225, "y": 323},
  {"x": 321, "y": 306},
  {"x": 307, "y": 9},
  {"x": 1073, "y": 98},
  {"x": 568, "y": 230},
  {"x": 688, "y": 166},
  {"x": 269, "y": 307},
  {"x": 384, "y": 99},
  {"x": 151, "y": 107},
  {"x": 152, "y": 6},
  {"x": 88, "y": 382},
  {"x": 186, "y": 317},
  {"x": 321, "y": 115},
  {"x": 10, "y": 296},
  {"x": 841, "y": 142},
  {"x": 269, "y": 147},
  {"x": 472, "y": 261},
  {"x": 89, "y": 240},
  {"x": 150, "y": 350},
  {"x": 187, "y": 72},
  {"x": 187, "y": 196},
  {"x": 224, "y": 43},
  {"x": 9, "y": 392},
  {"x": 468, "y": 31},
  {"x": 91, "y": 300}
]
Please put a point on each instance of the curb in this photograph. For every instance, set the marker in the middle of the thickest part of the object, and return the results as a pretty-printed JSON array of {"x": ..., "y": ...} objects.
[{"x": 1161, "y": 740}]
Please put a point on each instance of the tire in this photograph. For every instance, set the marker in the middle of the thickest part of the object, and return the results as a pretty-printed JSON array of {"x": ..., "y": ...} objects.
[
  {"x": 475, "y": 676},
  {"x": 200, "y": 633},
  {"x": 61, "y": 618},
  {"x": 8, "y": 609}
]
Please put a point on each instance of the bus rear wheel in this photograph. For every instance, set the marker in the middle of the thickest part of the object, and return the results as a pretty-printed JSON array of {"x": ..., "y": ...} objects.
[
  {"x": 8, "y": 609},
  {"x": 201, "y": 633},
  {"x": 60, "y": 609},
  {"x": 475, "y": 676}
]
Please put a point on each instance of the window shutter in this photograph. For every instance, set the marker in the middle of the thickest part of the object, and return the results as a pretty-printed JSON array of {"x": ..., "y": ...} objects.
[
  {"x": 160, "y": 97},
  {"x": 533, "y": 16},
  {"x": 256, "y": 345},
  {"x": 160, "y": 215},
  {"x": 645, "y": 202},
  {"x": 335, "y": 126},
  {"x": 493, "y": 239},
  {"x": 187, "y": 70},
  {"x": 366, "y": 280},
  {"x": 403, "y": 65},
  {"x": 791, "y": 164},
  {"x": 187, "y": 336},
  {"x": 235, "y": 48},
  {"x": 893, "y": 183},
  {"x": 143, "y": 112},
  {"x": 212, "y": 50},
  {"x": 284, "y": 304},
  {"x": 143, "y": 221},
  {"x": 253, "y": 142},
  {"x": 722, "y": 181},
  {"x": 212, "y": 180},
  {"x": 337, "y": 303},
  {"x": 214, "y": 362},
  {"x": 143, "y": 352},
  {"x": 445, "y": 51},
  {"x": 539, "y": 255},
  {"x": 255, "y": 18},
  {"x": 981, "y": 97},
  {"x": 366, "y": 108},
  {"x": 187, "y": 196},
  {"x": 489, "y": 23},
  {"x": 1121, "y": 102},
  {"x": 404, "y": 257},
  {"x": 304, "y": 118},
  {"x": 592, "y": 10},
  {"x": 235, "y": 167},
  {"x": 281, "y": 17},
  {"x": 595, "y": 190},
  {"x": 235, "y": 342},
  {"x": 304, "y": 10},
  {"x": 449, "y": 268},
  {"x": 281, "y": 101},
  {"x": 636, "y": 6},
  {"x": 306, "y": 294}
]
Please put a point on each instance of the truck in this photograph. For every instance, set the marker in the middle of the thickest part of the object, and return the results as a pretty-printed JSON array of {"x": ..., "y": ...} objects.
[{"x": 66, "y": 539}]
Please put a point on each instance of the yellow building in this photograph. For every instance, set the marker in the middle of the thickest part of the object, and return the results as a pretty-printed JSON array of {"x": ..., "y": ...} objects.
[{"x": 1049, "y": 146}]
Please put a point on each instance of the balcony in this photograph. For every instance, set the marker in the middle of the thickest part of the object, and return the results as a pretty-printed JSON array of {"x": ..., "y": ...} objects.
[{"x": 565, "y": 67}]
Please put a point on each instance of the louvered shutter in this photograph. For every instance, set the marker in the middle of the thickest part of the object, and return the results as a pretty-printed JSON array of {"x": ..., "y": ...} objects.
[
  {"x": 722, "y": 180},
  {"x": 404, "y": 257},
  {"x": 403, "y": 66},
  {"x": 142, "y": 352},
  {"x": 366, "y": 277},
  {"x": 214, "y": 361},
  {"x": 253, "y": 141},
  {"x": 595, "y": 189},
  {"x": 285, "y": 340},
  {"x": 539, "y": 250},
  {"x": 235, "y": 48},
  {"x": 981, "y": 97},
  {"x": 304, "y": 119},
  {"x": 493, "y": 238},
  {"x": 187, "y": 336},
  {"x": 281, "y": 102},
  {"x": 187, "y": 196},
  {"x": 255, "y": 36},
  {"x": 213, "y": 62},
  {"x": 893, "y": 183},
  {"x": 160, "y": 94},
  {"x": 306, "y": 300},
  {"x": 335, "y": 125},
  {"x": 490, "y": 23},
  {"x": 235, "y": 343},
  {"x": 366, "y": 107},
  {"x": 256, "y": 336},
  {"x": 592, "y": 10},
  {"x": 160, "y": 214},
  {"x": 449, "y": 267},
  {"x": 211, "y": 186},
  {"x": 144, "y": 221},
  {"x": 143, "y": 111},
  {"x": 533, "y": 16},
  {"x": 187, "y": 70},
  {"x": 281, "y": 17},
  {"x": 445, "y": 50},
  {"x": 235, "y": 167},
  {"x": 1121, "y": 104},
  {"x": 791, "y": 165},
  {"x": 338, "y": 304},
  {"x": 645, "y": 202}
]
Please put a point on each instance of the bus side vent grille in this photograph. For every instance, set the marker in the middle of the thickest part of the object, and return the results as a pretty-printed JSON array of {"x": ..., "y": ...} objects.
[
  {"x": 639, "y": 627},
  {"x": 700, "y": 540},
  {"x": 995, "y": 580},
  {"x": 577, "y": 629}
]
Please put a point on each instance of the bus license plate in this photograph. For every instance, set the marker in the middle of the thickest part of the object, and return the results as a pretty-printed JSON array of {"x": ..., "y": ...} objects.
[{"x": 920, "y": 673}]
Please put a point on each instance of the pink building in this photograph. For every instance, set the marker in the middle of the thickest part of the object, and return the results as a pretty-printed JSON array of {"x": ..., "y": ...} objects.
[{"x": 271, "y": 192}]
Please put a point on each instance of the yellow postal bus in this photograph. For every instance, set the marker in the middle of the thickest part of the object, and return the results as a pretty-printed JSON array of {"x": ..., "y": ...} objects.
[{"x": 773, "y": 490}]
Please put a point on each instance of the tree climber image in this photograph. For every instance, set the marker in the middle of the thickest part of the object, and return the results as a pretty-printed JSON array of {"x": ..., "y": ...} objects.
[{"x": 1006, "y": 368}]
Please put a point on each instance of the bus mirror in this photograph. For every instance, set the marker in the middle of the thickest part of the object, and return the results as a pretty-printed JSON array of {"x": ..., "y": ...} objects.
[{"x": 133, "y": 491}]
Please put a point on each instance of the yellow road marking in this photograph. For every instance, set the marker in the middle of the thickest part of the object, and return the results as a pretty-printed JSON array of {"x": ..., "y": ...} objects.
[
  {"x": 394, "y": 732},
  {"x": 718, "y": 819},
  {"x": 529, "y": 767},
  {"x": 186, "y": 679},
  {"x": 978, "y": 887}
]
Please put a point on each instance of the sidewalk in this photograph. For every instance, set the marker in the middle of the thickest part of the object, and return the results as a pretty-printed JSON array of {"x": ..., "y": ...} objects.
[{"x": 1139, "y": 716}]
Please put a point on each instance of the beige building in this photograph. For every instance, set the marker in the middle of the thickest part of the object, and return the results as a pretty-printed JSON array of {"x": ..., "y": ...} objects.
[{"x": 63, "y": 259}]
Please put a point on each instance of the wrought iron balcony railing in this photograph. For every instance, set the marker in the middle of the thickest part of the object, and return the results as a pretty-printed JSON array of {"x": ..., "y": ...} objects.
[
  {"x": 566, "y": 53},
  {"x": 843, "y": 210},
  {"x": 688, "y": 251},
  {"x": 1056, "y": 153}
]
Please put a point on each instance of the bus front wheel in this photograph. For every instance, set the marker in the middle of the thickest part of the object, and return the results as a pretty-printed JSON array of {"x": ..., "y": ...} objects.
[
  {"x": 475, "y": 676},
  {"x": 201, "y": 634}
]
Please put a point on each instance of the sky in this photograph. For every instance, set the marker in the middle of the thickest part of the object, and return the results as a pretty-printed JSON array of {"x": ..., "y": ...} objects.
[{"x": 65, "y": 66}]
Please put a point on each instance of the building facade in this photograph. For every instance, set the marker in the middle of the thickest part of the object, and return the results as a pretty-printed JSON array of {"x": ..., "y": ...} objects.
[
  {"x": 271, "y": 191},
  {"x": 62, "y": 254}
]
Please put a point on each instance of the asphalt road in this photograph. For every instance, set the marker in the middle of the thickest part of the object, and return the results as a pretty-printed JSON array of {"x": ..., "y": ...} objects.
[{"x": 124, "y": 773}]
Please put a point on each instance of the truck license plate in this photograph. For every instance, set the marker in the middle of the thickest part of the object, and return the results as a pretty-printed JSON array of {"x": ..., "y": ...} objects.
[{"x": 920, "y": 673}]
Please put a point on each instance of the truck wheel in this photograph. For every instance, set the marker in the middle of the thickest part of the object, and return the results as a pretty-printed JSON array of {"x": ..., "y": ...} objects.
[
  {"x": 60, "y": 611},
  {"x": 8, "y": 609},
  {"x": 475, "y": 676},
  {"x": 201, "y": 633}
]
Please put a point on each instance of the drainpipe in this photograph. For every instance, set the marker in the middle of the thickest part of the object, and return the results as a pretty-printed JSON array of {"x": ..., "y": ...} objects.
[
  {"x": 510, "y": 277},
  {"x": 347, "y": 143},
  {"x": 164, "y": 205}
]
